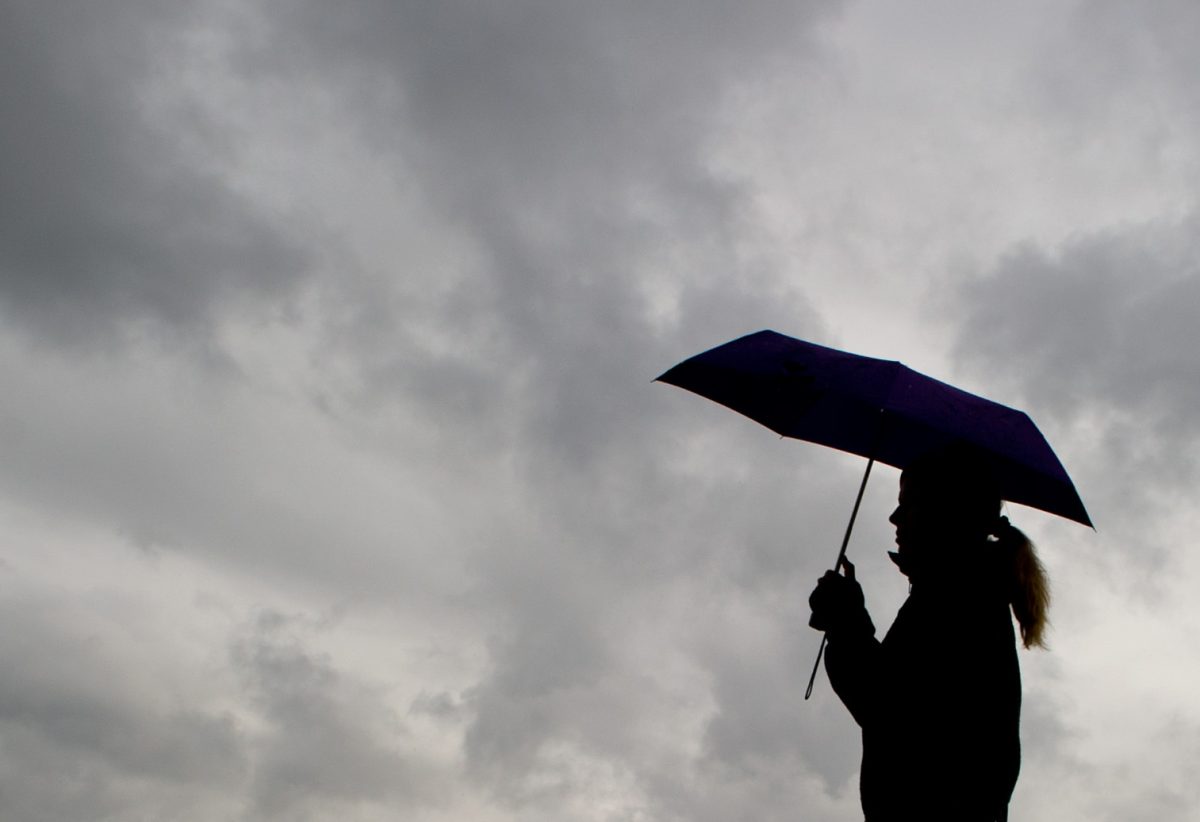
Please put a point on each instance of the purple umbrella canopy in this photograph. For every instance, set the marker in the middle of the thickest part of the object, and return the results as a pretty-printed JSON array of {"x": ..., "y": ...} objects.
[{"x": 879, "y": 409}]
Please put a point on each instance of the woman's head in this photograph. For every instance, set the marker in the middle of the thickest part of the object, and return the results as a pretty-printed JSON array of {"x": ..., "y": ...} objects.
[
  {"x": 948, "y": 500},
  {"x": 949, "y": 503}
]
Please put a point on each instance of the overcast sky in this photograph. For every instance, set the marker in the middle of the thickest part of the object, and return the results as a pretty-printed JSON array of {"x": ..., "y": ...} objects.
[{"x": 333, "y": 480}]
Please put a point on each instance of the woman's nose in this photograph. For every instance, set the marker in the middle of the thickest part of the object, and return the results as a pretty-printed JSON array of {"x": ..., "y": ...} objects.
[{"x": 894, "y": 519}]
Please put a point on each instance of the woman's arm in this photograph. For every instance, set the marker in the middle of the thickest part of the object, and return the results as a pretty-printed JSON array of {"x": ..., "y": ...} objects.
[
  {"x": 852, "y": 654},
  {"x": 853, "y": 664}
]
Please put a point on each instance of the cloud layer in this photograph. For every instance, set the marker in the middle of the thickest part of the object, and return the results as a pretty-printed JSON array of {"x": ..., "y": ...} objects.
[{"x": 334, "y": 482}]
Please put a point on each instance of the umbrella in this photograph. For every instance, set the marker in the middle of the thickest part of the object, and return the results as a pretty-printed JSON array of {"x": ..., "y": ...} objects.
[{"x": 878, "y": 409}]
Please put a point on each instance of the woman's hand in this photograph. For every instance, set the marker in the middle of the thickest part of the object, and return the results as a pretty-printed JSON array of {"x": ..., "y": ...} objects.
[{"x": 837, "y": 602}]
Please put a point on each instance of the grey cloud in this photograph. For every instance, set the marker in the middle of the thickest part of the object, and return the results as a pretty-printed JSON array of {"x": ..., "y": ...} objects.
[
  {"x": 1108, "y": 317},
  {"x": 1099, "y": 338},
  {"x": 112, "y": 218},
  {"x": 1125, "y": 74},
  {"x": 87, "y": 736},
  {"x": 568, "y": 149},
  {"x": 569, "y": 145},
  {"x": 762, "y": 718},
  {"x": 330, "y": 742},
  {"x": 544, "y": 687},
  {"x": 1122, "y": 792},
  {"x": 441, "y": 705},
  {"x": 575, "y": 603},
  {"x": 78, "y": 728}
]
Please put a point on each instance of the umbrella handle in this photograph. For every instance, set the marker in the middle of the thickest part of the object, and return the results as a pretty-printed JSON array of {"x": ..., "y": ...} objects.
[
  {"x": 841, "y": 556},
  {"x": 816, "y": 665}
]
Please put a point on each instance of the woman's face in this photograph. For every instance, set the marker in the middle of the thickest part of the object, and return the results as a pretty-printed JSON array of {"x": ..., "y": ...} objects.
[
  {"x": 915, "y": 518},
  {"x": 932, "y": 517}
]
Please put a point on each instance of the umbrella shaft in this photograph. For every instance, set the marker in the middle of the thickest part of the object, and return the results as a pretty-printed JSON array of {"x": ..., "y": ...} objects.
[
  {"x": 854, "y": 514},
  {"x": 841, "y": 555}
]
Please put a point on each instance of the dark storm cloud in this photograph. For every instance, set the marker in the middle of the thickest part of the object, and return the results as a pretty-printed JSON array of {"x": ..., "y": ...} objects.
[
  {"x": 109, "y": 217},
  {"x": 1098, "y": 331},
  {"x": 569, "y": 147},
  {"x": 567, "y": 142},
  {"x": 623, "y": 566},
  {"x": 762, "y": 720},
  {"x": 328, "y": 740},
  {"x": 571, "y": 144},
  {"x": 90, "y": 732},
  {"x": 1099, "y": 336},
  {"x": 81, "y": 721},
  {"x": 1101, "y": 325},
  {"x": 1108, "y": 318},
  {"x": 1124, "y": 73}
]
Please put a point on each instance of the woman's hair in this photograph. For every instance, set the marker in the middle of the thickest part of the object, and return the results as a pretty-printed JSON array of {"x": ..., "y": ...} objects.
[
  {"x": 1028, "y": 586},
  {"x": 961, "y": 476}
]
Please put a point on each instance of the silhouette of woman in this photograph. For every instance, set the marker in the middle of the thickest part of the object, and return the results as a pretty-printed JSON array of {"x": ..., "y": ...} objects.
[{"x": 939, "y": 699}]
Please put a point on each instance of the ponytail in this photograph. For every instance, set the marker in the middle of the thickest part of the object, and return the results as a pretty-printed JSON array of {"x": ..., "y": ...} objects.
[{"x": 1028, "y": 586}]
